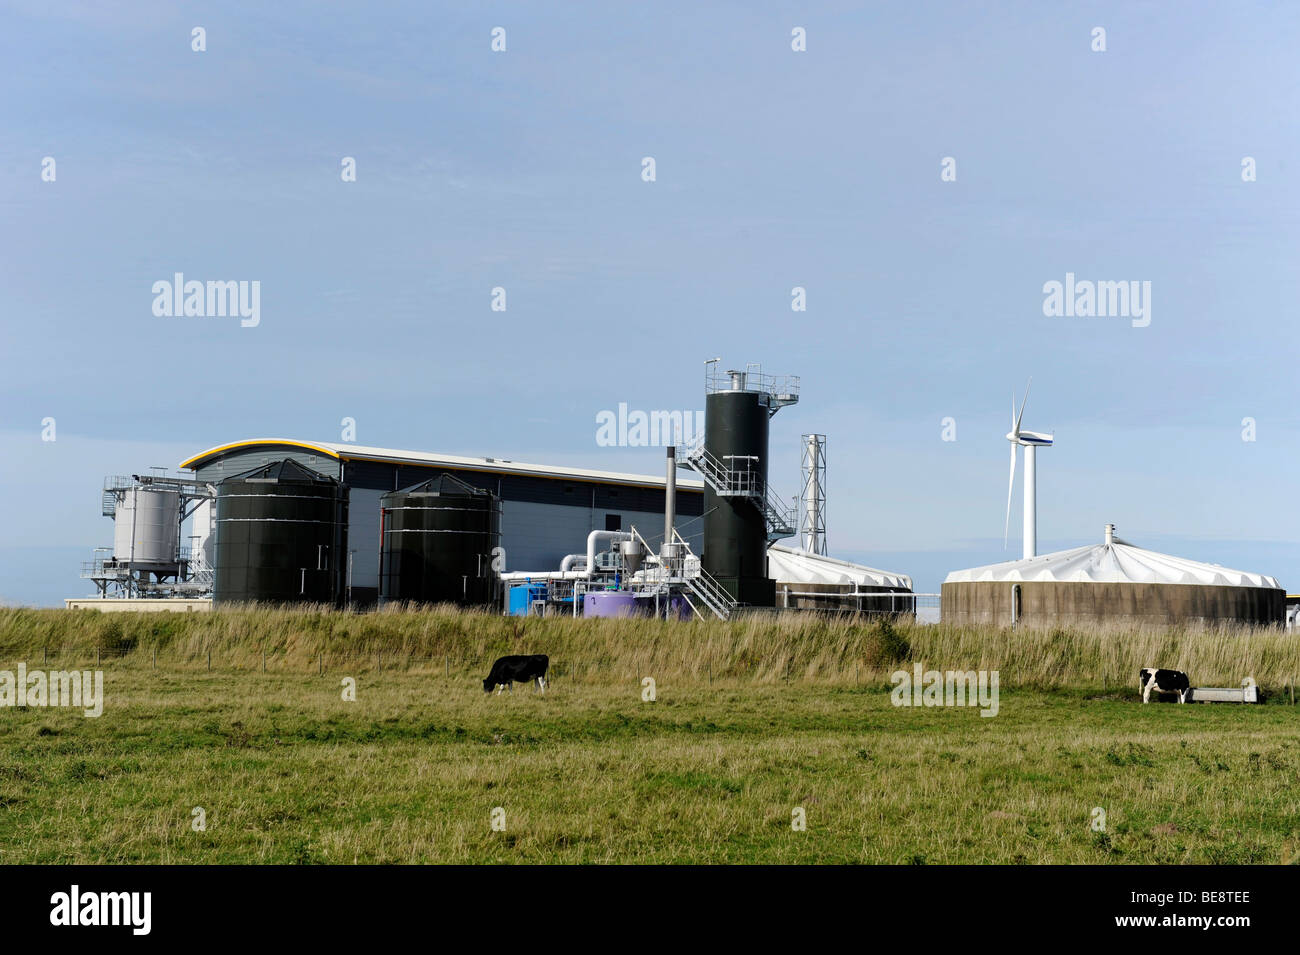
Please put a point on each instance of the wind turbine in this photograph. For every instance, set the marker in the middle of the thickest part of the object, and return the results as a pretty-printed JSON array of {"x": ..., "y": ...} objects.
[{"x": 1032, "y": 441}]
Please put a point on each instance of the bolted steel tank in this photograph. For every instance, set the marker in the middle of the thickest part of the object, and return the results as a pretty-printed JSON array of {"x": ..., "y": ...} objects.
[
  {"x": 438, "y": 542},
  {"x": 281, "y": 536}
]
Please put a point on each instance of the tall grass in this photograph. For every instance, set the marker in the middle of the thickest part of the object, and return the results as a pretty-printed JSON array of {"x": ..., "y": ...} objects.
[{"x": 758, "y": 647}]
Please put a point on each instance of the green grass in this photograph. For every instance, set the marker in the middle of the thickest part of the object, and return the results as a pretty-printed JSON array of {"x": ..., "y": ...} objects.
[
  {"x": 290, "y": 773},
  {"x": 754, "y": 718}
]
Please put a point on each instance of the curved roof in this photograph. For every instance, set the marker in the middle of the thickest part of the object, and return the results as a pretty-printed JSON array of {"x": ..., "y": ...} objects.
[
  {"x": 354, "y": 452},
  {"x": 202, "y": 456},
  {"x": 1117, "y": 562},
  {"x": 798, "y": 566}
]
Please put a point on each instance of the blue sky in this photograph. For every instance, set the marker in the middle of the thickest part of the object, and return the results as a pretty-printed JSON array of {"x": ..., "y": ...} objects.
[{"x": 775, "y": 169}]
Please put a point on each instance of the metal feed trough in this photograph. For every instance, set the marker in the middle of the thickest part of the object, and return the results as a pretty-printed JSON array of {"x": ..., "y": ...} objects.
[{"x": 1246, "y": 693}]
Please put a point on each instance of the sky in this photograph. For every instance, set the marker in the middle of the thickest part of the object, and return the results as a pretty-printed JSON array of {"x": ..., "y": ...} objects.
[{"x": 774, "y": 169}]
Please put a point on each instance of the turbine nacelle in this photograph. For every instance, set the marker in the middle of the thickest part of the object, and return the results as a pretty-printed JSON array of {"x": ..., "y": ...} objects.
[{"x": 1036, "y": 438}]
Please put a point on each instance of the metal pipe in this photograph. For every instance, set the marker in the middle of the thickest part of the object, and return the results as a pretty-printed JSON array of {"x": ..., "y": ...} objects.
[
  {"x": 591, "y": 547},
  {"x": 670, "y": 495}
]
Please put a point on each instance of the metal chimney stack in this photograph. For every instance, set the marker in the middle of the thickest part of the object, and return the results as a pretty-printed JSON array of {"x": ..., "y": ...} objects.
[{"x": 670, "y": 495}]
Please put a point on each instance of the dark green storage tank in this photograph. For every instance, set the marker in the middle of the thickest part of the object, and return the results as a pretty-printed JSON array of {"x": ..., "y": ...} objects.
[
  {"x": 735, "y": 532},
  {"x": 281, "y": 536},
  {"x": 438, "y": 540}
]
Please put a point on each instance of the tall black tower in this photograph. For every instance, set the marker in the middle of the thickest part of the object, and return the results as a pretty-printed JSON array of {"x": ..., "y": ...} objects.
[{"x": 740, "y": 517}]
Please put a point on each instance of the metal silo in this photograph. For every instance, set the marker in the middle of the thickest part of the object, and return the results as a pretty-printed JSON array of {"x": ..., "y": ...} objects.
[
  {"x": 281, "y": 536},
  {"x": 740, "y": 517},
  {"x": 438, "y": 540},
  {"x": 146, "y": 524}
]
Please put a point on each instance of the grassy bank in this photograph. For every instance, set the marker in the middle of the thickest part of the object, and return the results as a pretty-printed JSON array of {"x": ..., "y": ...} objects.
[{"x": 759, "y": 649}]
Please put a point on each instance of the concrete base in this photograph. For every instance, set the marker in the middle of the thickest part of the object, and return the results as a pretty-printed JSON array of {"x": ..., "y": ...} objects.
[
  {"x": 131, "y": 604},
  {"x": 1072, "y": 603}
]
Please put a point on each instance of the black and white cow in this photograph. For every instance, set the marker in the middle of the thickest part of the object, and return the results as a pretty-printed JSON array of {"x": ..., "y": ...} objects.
[
  {"x": 1162, "y": 681},
  {"x": 517, "y": 669}
]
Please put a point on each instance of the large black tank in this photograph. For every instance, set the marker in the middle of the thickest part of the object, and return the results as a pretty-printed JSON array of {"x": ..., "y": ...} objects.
[
  {"x": 281, "y": 536},
  {"x": 438, "y": 543},
  {"x": 735, "y": 532}
]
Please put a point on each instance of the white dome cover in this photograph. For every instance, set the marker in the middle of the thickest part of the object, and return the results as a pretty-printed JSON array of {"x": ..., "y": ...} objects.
[
  {"x": 792, "y": 566},
  {"x": 1107, "y": 563}
]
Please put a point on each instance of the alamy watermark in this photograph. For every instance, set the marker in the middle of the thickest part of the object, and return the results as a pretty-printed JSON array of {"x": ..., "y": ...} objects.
[
  {"x": 946, "y": 688},
  {"x": 178, "y": 298},
  {"x": 82, "y": 689},
  {"x": 643, "y": 429},
  {"x": 130, "y": 909},
  {"x": 1088, "y": 299}
]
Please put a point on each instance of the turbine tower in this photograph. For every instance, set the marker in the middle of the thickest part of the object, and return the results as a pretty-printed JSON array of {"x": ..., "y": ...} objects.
[{"x": 1031, "y": 441}]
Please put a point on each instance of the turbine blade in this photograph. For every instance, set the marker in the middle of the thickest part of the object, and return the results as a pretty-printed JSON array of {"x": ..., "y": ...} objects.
[
  {"x": 1016, "y": 429},
  {"x": 1011, "y": 484}
]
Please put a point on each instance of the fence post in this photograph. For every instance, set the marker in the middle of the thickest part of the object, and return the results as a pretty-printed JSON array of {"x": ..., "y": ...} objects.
[
  {"x": 264, "y": 660},
  {"x": 45, "y": 654},
  {"x": 320, "y": 663},
  {"x": 380, "y": 658},
  {"x": 447, "y": 658},
  {"x": 209, "y": 660},
  {"x": 155, "y": 658},
  {"x": 96, "y": 658}
]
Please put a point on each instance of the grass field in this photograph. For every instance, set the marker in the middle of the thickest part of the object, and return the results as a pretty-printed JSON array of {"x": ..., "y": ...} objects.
[{"x": 752, "y": 719}]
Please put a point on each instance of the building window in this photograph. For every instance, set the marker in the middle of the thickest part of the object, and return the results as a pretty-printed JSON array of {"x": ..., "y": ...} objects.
[{"x": 613, "y": 522}]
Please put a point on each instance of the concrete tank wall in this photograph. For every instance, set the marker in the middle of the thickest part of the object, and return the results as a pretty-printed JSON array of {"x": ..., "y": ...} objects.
[{"x": 1046, "y": 603}]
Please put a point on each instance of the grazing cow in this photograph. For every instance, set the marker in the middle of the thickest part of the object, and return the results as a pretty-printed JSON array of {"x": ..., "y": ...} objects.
[
  {"x": 517, "y": 669},
  {"x": 1162, "y": 681}
]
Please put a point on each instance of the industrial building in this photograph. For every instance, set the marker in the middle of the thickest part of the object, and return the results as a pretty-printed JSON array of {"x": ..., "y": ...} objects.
[
  {"x": 286, "y": 520},
  {"x": 544, "y": 510},
  {"x": 1112, "y": 581}
]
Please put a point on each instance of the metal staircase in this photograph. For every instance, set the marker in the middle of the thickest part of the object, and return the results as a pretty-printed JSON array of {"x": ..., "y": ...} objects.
[
  {"x": 742, "y": 482},
  {"x": 683, "y": 574},
  {"x": 702, "y": 585},
  {"x": 112, "y": 485}
]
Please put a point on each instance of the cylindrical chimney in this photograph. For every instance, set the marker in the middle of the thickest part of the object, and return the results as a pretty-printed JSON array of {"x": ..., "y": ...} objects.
[
  {"x": 1110, "y": 534},
  {"x": 670, "y": 495}
]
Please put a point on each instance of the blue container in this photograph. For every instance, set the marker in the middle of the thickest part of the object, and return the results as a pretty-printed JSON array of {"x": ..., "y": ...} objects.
[{"x": 522, "y": 597}]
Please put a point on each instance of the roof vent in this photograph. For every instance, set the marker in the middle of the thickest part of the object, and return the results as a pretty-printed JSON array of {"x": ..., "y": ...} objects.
[{"x": 1110, "y": 534}]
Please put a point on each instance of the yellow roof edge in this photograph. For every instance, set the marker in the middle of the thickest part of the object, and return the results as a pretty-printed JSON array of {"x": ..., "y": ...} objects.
[{"x": 189, "y": 464}]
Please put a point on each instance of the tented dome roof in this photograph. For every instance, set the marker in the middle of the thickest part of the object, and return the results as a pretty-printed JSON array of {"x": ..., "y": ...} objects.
[
  {"x": 1113, "y": 561},
  {"x": 797, "y": 566},
  {"x": 444, "y": 485}
]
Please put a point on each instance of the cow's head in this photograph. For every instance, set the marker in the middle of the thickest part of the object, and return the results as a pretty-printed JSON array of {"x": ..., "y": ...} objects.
[
  {"x": 1145, "y": 676},
  {"x": 487, "y": 685}
]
